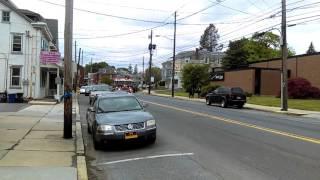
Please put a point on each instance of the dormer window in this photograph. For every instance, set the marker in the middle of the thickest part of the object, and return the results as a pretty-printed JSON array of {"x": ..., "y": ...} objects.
[{"x": 5, "y": 16}]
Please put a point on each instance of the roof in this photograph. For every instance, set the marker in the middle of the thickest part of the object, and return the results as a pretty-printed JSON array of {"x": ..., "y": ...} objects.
[
  {"x": 289, "y": 57},
  {"x": 53, "y": 27},
  {"x": 14, "y": 8},
  {"x": 35, "y": 17}
]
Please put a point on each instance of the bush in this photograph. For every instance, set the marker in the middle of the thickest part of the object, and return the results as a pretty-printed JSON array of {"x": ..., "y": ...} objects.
[
  {"x": 208, "y": 88},
  {"x": 248, "y": 94},
  {"x": 300, "y": 88}
]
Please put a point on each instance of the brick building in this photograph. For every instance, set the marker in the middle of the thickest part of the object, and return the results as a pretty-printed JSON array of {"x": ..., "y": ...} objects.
[{"x": 264, "y": 77}]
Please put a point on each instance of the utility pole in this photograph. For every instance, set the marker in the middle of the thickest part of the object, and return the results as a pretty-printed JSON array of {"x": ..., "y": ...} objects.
[
  {"x": 174, "y": 54},
  {"x": 91, "y": 66},
  {"x": 67, "y": 128},
  {"x": 150, "y": 61},
  {"x": 284, "y": 51},
  {"x": 77, "y": 70},
  {"x": 82, "y": 58},
  {"x": 142, "y": 69},
  {"x": 75, "y": 61}
]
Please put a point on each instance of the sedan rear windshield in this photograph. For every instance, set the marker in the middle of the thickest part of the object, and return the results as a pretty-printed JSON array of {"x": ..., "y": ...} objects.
[
  {"x": 118, "y": 104},
  {"x": 101, "y": 88},
  {"x": 237, "y": 90}
]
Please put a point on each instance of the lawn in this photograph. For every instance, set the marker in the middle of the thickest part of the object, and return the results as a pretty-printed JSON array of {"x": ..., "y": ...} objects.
[
  {"x": 176, "y": 92},
  {"x": 304, "y": 104}
]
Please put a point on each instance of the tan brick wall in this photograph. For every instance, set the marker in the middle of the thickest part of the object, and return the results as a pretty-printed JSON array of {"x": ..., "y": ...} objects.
[
  {"x": 270, "y": 82},
  {"x": 244, "y": 79},
  {"x": 307, "y": 67}
]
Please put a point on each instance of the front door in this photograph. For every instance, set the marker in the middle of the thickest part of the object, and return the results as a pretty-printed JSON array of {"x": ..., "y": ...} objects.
[{"x": 52, "y": 84}]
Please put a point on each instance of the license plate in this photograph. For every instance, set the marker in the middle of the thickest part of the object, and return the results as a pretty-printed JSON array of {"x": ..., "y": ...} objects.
[
  {"x": 238, "y": 97},
  {"x": 131, "y": 135}
]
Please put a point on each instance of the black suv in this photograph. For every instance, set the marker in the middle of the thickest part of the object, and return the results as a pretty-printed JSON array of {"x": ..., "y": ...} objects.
[{"x": 227, "y": 97}]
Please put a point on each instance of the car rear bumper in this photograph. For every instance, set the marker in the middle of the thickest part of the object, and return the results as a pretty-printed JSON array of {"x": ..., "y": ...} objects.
[
  {"x": 236, "y": 102},
  {"x": 143, "y": 134}
]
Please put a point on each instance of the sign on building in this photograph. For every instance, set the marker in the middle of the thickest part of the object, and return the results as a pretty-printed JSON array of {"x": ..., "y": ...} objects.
[
  {"x": 217, "y": 76},
  {"x": 47, "y": 57}
]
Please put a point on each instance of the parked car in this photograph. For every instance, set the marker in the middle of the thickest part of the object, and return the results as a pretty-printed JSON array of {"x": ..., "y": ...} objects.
[
  {"x": 87, "y": 91},
  {"x": 119, "y": 117},
  {"x": 225, "y": 97},
  {"x": 83, "y": 89},
  {"x": 98, "y": 89}
]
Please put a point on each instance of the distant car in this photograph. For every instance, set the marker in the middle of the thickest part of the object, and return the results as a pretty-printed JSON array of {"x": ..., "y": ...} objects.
[
  {"x": 83, "y": 89},
  {"x": 97, "y": 89},
  {"x": 225, "y": 97},
  {"x": 119, "y": 117},
  {"x": 87, "y": 91}
]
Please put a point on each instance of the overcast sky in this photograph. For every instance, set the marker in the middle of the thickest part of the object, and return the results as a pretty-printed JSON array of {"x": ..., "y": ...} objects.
[{"x": 103, "y": 35}]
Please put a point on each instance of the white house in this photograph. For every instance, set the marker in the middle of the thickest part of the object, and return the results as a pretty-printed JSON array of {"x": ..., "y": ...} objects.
[
  {"x": 23, "y": 36},
  {"x": 214, "y": 60}
]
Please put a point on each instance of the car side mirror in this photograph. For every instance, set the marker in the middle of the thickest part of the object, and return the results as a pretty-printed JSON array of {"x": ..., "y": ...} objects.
[{"x": 91, "y": 109}]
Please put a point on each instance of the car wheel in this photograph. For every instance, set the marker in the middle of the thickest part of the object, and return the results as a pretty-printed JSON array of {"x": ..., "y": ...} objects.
[
  {"x": 208, "y": 102},
  {"x": 97, "y": 145},
  {"x": 223, "y": 103},
  {"x": 240, "y": 106}
]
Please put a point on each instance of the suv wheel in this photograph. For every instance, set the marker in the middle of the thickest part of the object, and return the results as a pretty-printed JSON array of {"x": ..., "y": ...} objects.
[
  {"x": 208, "y": 102},
  {"x": 223, "y": 103},
  {"x": 240, "y": 106},
  {"x": 97, "y": 145}
]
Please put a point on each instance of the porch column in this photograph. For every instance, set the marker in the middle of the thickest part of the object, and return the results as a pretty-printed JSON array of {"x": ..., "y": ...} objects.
[{"x": 58, "y": 84}]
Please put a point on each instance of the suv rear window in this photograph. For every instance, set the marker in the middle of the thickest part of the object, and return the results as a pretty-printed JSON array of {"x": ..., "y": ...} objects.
[{"x": 237, "y": 90}]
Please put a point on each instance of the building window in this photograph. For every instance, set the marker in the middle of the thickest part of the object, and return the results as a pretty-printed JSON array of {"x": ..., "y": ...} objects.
[
  {"x": 17, "y": 43},
  {"x": 15, "y": 77},
  {"x": 5, "y": 16}
]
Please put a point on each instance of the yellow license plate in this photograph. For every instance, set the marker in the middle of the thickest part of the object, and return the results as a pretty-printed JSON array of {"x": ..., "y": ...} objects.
[{"x": 131, "y": 135}]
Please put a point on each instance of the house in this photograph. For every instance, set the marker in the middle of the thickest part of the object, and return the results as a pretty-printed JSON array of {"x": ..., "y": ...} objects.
[
  {"x": 214, "y": 60},
  {"x": 27, "y": 45}
]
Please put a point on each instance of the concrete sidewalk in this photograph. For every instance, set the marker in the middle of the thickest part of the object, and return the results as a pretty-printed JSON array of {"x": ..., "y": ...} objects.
[
  {"x": 32, "y": 147},
  {"x": 296, "y": 112}
]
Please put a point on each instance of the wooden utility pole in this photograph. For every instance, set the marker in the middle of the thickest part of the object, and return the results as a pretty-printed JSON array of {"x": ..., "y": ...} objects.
[
  {"x": 67, "y": 128},
  {"x": 150, "y": 61},
  {"x": 284, "y": 51},
  {"x": 142, "y": 70},
  {"x": 174, "y": 54}
]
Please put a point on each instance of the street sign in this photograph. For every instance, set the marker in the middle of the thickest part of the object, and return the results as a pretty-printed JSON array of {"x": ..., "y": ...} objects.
[{"x": 152, "y": 79}]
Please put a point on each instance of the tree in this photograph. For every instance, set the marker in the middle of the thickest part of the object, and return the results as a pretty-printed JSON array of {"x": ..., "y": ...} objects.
[
  {"x": 209, "y": 39},
  {"x": 260, "y": 46},
  {"x": 135, "y": 71},
  {"x": 236, "y": 55},
  {"x": 95, "y": 67},
  {"x": 194, "y": 76},
  {"x": 311, "y": 49},
  {"x": 155, "y": 72},
  {"x": 106, "y": 80},
  {"x": 130, "y": 69}
]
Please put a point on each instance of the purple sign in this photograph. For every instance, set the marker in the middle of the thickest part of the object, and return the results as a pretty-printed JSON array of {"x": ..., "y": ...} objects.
[{"x": 47, "y": 57}]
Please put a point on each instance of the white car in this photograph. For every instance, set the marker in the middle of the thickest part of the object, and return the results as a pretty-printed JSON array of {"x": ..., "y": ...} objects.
[{"x": 83, "y": 89}]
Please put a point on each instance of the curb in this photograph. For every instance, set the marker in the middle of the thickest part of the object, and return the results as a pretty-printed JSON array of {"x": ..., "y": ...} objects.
[
  {"x": 253, "y": 108},
  {"x": 81, "y": 159},
  {"x": 42, "y": 103}
]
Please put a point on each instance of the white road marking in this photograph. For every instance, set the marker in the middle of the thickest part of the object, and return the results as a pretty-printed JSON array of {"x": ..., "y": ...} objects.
[{"x": 147, "y": 157}]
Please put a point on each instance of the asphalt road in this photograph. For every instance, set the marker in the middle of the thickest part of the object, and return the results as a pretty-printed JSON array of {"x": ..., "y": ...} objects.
[{"x": 196, "y": 141}]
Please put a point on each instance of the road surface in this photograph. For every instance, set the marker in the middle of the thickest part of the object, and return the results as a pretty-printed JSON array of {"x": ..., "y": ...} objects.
[{"x": 196, "y": 141}]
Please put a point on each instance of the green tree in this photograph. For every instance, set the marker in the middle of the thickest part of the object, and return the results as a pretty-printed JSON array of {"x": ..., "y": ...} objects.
[
  {"x": 130, "y": 69},
  {"x": 106, "y": 80},
  {"x": 260, "y": 46},
  {"x": 311, "y": 49},
  {"x": 155, "y": 72},
  {"x": 236, "y": 55},
  {"x": 135, "y": 71},
  {"x": 194, "y": 76},
  {"x": 209, "y": 39},
  {"x": 95, "y": 67}
]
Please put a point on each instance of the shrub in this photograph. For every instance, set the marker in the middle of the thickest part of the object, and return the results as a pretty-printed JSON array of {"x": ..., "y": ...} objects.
[
  {"x": 300, "y": 88},
  {"x": 208, "y": 88},
  {"x": 248, "y": 94},
  {"x": 314, "y": 92}
]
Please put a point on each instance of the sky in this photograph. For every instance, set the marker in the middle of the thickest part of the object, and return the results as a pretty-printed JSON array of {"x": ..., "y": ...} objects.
[{"x": 118, "y": 31}]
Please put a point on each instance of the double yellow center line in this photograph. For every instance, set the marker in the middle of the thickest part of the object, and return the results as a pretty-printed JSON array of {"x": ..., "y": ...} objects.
[{"x": 269, "y": 130}]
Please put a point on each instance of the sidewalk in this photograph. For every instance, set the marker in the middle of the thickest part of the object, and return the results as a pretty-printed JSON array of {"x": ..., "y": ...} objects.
[
  {"x": 32, "y": 147},
  {"x": 296, "y": 112}
]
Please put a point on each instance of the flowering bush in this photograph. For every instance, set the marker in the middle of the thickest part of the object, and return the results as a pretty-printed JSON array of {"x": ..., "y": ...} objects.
[{"x": 300, "y": 88}]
